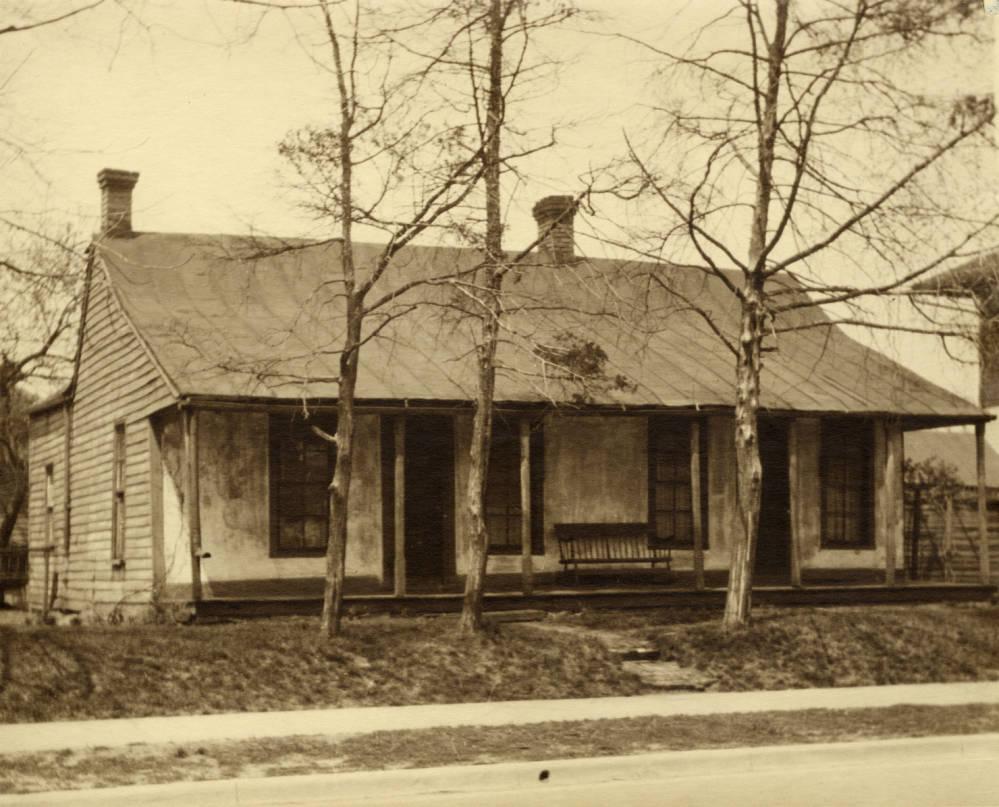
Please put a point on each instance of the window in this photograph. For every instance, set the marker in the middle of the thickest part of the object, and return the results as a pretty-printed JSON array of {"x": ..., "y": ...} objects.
[
  {"x": 301, "y": 467},
  {"x": 49, "y": 504},
  {"x": 502, "y": 504},
  {"x": 671, "y": 516},
  {"x": 846, "y": 475},
  {"x": 118, "y": 494}
]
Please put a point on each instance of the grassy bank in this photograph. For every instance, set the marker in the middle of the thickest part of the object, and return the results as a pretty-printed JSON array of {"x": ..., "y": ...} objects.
[
  {"x": 824, "y": 647},
  {"x": 474, "y": 745},
  {"x": 139, "y": 670}
]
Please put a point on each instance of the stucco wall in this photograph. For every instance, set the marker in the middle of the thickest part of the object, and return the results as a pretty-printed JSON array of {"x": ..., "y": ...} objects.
[
  {"x": 235, "y": 503},
  {"x": 813, "y": 556},
  {"x": 723, "y": 512},
  {"x": 595, "y": 470}
]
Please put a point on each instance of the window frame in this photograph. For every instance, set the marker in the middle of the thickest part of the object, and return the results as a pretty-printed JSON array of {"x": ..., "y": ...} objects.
[
  {"x": 281, "y": 426},
  {"x": 511, "y": 427},
  {"x": 831, "y": 448},
  {"x": 49, "y": 496},
  {"x": 119, "y": 484},
  {"x": 657, "y": 426}
]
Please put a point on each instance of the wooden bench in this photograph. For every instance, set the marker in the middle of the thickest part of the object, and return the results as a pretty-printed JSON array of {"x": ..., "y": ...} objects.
[{"x": 585, "y": 544}]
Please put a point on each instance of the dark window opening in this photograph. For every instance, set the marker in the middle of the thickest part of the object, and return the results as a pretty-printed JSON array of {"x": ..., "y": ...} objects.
[
  {"x": 301, "y": 468},
  {"x": 671, "y": 506},
  {"x": 502, "y": 501},
  {"x": 118, "y": 493},
  {"x": 49, "y": 504},
  {"x": 846, "y": 470}
]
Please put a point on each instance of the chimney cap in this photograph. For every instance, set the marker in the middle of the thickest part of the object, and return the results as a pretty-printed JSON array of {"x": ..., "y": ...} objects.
[
  {"x": 553, "y": 206},
  {"x": 116, "y": 177}
]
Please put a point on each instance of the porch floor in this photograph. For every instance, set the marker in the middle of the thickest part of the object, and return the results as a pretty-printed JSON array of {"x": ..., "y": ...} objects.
[{"x": 304, "y": 596}]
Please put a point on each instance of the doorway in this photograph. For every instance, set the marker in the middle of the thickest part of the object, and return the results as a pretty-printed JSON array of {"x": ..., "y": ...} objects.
[
  {"x": 773, "y": 546},
  {"x": 429, "y": 499}
]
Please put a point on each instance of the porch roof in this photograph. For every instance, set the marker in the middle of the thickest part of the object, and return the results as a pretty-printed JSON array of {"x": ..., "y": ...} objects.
[{"x": 229, "y": 316}]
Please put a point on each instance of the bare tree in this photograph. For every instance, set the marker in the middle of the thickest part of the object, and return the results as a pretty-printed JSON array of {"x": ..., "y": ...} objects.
[
  {"x": 394, "y": 135},
  {"x": 40, "y": 279},
  {"x": 805, "y": 141},
  {"x": 494, "y": 55},
  {"x": 41, "y": 270}
]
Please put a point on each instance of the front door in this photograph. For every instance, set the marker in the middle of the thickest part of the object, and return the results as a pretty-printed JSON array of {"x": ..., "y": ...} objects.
[
  {"x": 773, "y": 547},
  {"x": 429, "y": 498}
]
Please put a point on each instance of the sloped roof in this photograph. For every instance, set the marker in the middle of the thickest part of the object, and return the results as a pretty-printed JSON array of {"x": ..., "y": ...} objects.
[
  {"x": 227, "y": 316},
  {"x": 979, "y": 276},
  {"x": 954, "y": 448}
]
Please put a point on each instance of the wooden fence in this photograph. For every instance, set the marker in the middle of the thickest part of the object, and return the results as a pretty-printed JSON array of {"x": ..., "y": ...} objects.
[{"x": 941, "y": 536}]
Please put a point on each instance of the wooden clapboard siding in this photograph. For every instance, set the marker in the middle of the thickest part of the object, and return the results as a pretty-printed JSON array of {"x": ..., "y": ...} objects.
[{"x": 117, "y": 382}]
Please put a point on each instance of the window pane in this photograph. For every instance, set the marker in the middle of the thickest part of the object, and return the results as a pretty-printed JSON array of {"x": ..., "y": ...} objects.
[
  {"x": 502, "y": 500},
  {"x": 681, "y": 495},
  {"x": 290, "y": 534},
  {"x": 665, "y": 525},
  {"x": 314, "y": 500},
  {"x": 664, "y": 496},
  {"x": 301, "y": 466},
  {"x": 315, "y": 532},
  {"x": 846, "y": 481},
  {"x": 684, "y": 527}
]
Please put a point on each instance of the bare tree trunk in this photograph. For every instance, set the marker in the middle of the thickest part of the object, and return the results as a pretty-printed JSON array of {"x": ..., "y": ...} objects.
[
  {"x": 749, "y": 470},
  {"x": 339, "y": 496},
  {"x": 478, "y": 545},
  {"x": 336, "y": 549}
]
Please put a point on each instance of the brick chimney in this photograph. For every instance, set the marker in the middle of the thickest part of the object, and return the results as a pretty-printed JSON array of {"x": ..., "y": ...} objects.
[
  {"x": 554, "y": 215},
  {"x": 116, "y": 200}
]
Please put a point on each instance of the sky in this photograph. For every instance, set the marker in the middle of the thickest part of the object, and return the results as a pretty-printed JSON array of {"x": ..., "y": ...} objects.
[{"x": 195, "y": 95}]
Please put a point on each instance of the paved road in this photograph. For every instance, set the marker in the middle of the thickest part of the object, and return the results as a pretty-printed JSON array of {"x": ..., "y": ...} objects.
[
  {"x": 969, "y": 784},
  {"x": 934, "y": 771},
  {"x": 956, "y": 773}
]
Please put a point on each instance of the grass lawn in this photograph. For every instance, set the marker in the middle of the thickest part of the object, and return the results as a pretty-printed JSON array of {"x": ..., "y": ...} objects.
[
  {"x": 273, "y": 664},
  {"x": 49, "y": 673},
  {"x": 822, "y": 647},
  {"x": 147, "y": 764}
]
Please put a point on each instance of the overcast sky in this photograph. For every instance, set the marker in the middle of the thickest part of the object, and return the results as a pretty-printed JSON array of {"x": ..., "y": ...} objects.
[{"x": 195, "y": 95}]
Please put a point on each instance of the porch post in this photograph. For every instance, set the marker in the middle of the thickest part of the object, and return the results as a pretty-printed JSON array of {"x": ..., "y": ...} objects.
[
  {"x": 526, "y": 559},
  {"x": 191, "y": 499},
  {"x": 695, "y": 502},
  {"x": 795, "y": 493},
  {"x": 948, "y": 540},
  {"x": 400, "y": 506},
  {"x": 891, "y": 495},
  {"x": 984, "y": 565},
  {"x": 156, "y": 509}
]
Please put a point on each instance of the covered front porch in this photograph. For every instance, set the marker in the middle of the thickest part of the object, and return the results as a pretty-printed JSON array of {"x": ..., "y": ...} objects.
[
  {"x": 556, "y": 593},
  {"x": 557, "y": 482}
]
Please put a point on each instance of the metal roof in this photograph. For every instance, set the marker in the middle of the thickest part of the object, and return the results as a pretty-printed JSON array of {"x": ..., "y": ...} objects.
[{"x": 228, "y": 316}]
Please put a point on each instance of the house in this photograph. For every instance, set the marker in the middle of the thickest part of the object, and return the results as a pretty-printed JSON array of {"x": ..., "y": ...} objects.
[{"x": 179, "y": 463}]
